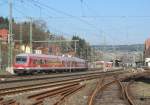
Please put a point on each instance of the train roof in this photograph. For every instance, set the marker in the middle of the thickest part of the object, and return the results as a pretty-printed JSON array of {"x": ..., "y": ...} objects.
[
  {"x": 35, "y": 55},
  {"x": 52, "y": 56}
]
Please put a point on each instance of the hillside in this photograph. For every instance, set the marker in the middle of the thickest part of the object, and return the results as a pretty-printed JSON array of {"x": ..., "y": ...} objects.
[{"x": 122, "y": 48}]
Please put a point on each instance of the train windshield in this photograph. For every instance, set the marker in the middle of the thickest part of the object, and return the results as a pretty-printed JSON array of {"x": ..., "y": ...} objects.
[{"x": 21, "y": 60}]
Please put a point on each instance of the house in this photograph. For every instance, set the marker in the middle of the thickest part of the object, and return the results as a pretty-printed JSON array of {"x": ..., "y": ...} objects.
[{"x": 4, "y": 34}]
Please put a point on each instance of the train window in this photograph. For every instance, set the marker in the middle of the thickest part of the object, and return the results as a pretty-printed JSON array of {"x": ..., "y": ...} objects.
[
  {"x": 38, "y": 61},
  {"x": 146, "y": 63},
  {"x": 21, "y": 60},
  {"x": 63, "y": 62},
  {"x": 41, "y": 62},
  {"x": 45, "y": 61},
  {"x": 34, "y": 61}
]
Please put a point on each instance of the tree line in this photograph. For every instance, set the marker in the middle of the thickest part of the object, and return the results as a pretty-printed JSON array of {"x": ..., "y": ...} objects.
[{"x": 40, "y": 32}]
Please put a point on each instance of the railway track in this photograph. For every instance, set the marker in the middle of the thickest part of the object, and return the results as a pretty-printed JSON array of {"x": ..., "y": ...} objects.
[
  {"x": 25, "y": 88},
  {"x": 128, "y": 94},
  {"x": 139, "y": 92},
  {"x": 63, "y": 93},
  {"x": 24, "y": 83},
  {"x": 15, "y": 78},
  {"x": 111, "y": 93},
  {"x": 20, "y": 89},
  {"x": 58, "y": 85},
  {"x": 39, "y": 74},
  {"x": 67, "y": 94},
  {"x": 9, "y": 91},
  {"x": 11, "y": 76},
  {"x": 93, "y": 95},
  {"x": 64, "y": 90}
]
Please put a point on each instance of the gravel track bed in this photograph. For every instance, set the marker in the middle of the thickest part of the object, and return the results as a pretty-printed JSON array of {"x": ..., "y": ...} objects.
[
  {"x": 141, "y": 93},
  {"x": 109, "y": 96},
  {"x": 38, "y": 81},
  {"x": 79, "y": 98},
  {"x": 8, "y": 85}
]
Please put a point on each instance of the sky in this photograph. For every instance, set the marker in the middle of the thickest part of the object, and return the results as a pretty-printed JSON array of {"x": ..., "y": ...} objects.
[{"x": 109, "y": 22}]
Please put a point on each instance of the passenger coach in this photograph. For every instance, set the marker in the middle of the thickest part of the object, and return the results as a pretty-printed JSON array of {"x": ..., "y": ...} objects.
[{"x": 31, "y": 63}]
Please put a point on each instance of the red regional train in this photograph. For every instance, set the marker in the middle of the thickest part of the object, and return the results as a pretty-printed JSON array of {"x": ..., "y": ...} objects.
[{"x": 32, "y": 63}]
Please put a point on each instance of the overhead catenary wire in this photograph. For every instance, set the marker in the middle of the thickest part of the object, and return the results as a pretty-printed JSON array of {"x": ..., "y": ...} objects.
[
  {"x": 37, "y": 5},
  {"x": 58, "y": 30},
  {"x": 64, "y": 13},
  {"x": 69, "y": 15},
  {"x": 16, "y": 8},
  {"x": 40, "y": 4},
  {"x": 100, "y": 31},
  {"x": 82, "y": 9},
  {"x": 23, "y": 14},
  {"x": 41, "y": 7},
  {"x": 84, "y": 3}
]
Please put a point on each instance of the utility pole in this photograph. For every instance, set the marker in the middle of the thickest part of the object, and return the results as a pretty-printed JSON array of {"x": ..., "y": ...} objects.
[
  {"x": 75, "y": 46},
  {"x": 0, "y": 53},
  {"x": 20, "y": 38},
  {"x": 114, "y": 56},
  {"x": 10, "y": 55},
  {"x": 31, "y": 35},
  {"x": 104, "y": 44}
]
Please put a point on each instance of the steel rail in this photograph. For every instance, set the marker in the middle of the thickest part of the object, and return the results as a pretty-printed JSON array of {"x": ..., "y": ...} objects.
[
  {"x": 122, "y": 90},
  {"x": 79, "y": 79},
  {"x": 83, "y": 78},
  {"x": 1, "y": 99},
  {"x": 41, "y": 78},
  {"x": 55, "y": 76},
  {"x": 51, "y": 92},
  {"x": 100, "y": 89},
  {"x": 26, "y": 86},
  {"x": 8, "y": 102},
  {"x": 125, "y": 94},
  {"x": 33, "y": 88},
  {"x": 9, "y": 91},
  {"x": 48, "y": 74},
  {"x": 49, "y": 82},
  {"x": 63, "y": 95},
  {"x": 130, "y": 100},
  {"x": 66, "y": 95},
  {"x": 94, "y": 93}
]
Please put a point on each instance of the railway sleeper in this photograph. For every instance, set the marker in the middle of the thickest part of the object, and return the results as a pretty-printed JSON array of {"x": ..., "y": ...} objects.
[
  {"x": 35, "y": 88},
  {"x": 66, "y": 95},
  {"x": 8, "y": 102},
  {"x": 56, "y": 93},
  {"x": 1, "y": 99},
  {"x": 49, "y": 91},
  {"x": 63, "y": 94}
]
